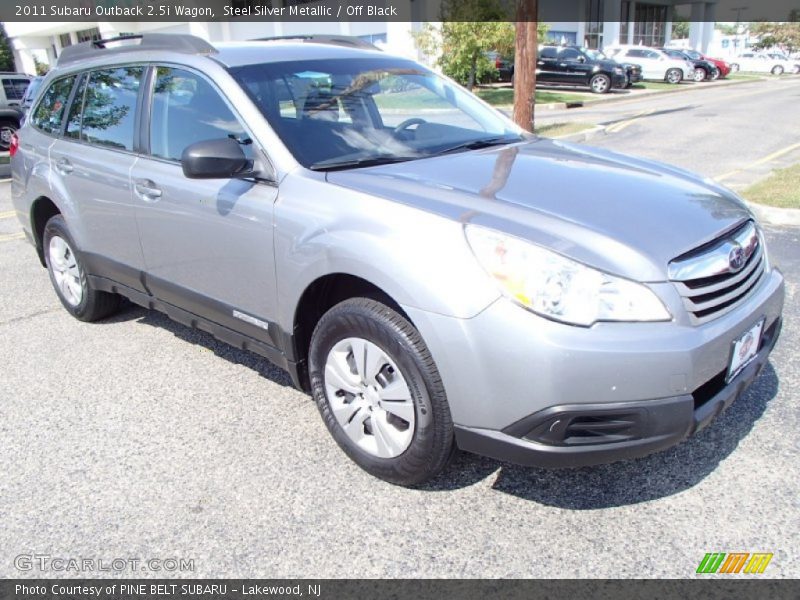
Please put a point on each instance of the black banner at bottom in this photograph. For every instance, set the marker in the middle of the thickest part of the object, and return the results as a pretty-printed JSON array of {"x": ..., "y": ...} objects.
[{"x": 400, "y": 589}]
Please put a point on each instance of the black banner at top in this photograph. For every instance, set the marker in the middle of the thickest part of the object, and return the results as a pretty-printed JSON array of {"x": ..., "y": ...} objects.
[{"x": 375, "y": 10}]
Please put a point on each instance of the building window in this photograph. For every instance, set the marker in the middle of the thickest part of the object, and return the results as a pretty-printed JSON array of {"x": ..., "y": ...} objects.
[
  {"x": 65, "y": 40},
  {"x": 625, "y": 19},
  {"x": 650, "y": 25},
  {"x": 561, "y": 38},
  {"x": 374, "y": 38},
  {"x": 86, "y": 35},
  {"x": 593, "y": 37}
]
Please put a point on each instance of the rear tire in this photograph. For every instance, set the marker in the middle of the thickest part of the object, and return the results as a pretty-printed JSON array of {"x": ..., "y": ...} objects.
[
  {"x": 674, "y": 76},
  {"x": 379, "y": 392},
  {"x": 600, "y": 84},
  {"x": 68, "y": 276},
  {"x": 777, "y": 70},
  {"x": 7, "y": 129}
]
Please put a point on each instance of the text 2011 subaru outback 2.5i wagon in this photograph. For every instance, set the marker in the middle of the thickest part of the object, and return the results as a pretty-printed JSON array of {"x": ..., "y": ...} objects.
[{"x": 433, "y": 275}]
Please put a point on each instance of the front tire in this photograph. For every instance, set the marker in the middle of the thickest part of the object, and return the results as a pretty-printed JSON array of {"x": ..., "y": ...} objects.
[
  {"x": 674, "y": 76},
  {"x": 68, "y": 276},
  {"x": 700, "y": 74},
  {"x": 600, "y": 84},
  {"x": 777, "y": 70},
  {"x": 379, "y": 392},
  {"x": 715, "y": 74}
]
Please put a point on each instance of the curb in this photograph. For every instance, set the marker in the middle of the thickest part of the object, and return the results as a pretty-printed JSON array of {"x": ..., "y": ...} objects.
[
  {"x": 771, "y": 215},
  {"x": 581, "y": 136},
  {"x": 590, "y": 101}
]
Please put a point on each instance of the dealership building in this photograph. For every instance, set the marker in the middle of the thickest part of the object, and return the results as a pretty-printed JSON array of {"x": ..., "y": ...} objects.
[{"x": 593, "y": 23}]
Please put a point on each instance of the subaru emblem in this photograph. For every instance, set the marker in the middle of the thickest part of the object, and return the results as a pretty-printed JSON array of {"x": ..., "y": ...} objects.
[{"x": 736, "y": 259}]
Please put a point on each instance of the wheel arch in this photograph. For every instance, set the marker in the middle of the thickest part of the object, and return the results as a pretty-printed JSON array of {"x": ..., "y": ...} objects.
[
  {"x": 42, "y": 210},
  {"x": 317, "y": 298}
]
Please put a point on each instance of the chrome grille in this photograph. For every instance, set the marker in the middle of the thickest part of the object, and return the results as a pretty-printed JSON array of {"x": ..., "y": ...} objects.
[{"x": 710, "y": 280}]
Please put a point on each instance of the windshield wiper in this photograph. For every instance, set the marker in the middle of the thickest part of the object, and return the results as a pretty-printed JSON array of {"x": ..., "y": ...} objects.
[
  {"x": 478, "y": 144},
  {"x": 355, "y": 163}
]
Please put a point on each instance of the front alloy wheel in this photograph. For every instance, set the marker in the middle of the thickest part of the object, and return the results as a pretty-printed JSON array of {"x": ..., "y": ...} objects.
[
  {"x": 699, "y": 74},
  {"x": 600, "y": 83},
  {"x": 674, "y": 76}
]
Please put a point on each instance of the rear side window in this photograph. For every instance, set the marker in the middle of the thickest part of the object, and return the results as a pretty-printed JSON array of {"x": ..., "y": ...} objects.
[
  {"x": 187, "y": 109},
  {"x": 109, "y": 107},
  {"x": 49, "y": 113},
  {"x": 15, "y": 88},
  {"x": 549, "y": 53}
]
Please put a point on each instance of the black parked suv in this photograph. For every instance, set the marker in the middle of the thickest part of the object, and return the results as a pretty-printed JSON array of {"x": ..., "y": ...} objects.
[
  {"x": 572, "y": 66},
  {"x": 704, "y": 70}
]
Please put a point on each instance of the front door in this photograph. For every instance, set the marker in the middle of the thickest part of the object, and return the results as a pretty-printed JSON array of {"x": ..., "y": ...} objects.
[{"x": 207, "y": 243}]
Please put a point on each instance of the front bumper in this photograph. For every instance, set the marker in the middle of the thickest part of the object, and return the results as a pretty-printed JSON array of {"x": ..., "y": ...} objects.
[
  {"x": 626, "y": 430},
  {"x": 517, "y": 384}
]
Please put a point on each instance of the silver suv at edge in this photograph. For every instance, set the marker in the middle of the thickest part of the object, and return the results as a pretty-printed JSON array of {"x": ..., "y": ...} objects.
[{"x": 433, "y": 275}]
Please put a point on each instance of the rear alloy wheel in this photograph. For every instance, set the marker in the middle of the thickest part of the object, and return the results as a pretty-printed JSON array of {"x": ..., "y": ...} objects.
[
  {"x": 69, "y": 277},
  {"x": 699, "y": 74},
  {"x": 600, "y": 83},
  {"x": 777, "y": 70},
  {"x": 674, "y": 76},
  {"x": 379, "y": 392},
  {"x": 7, "y": 130}
]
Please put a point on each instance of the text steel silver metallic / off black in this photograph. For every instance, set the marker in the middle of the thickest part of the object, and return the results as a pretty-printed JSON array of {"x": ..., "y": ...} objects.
[{"x": 434, "y": 276}]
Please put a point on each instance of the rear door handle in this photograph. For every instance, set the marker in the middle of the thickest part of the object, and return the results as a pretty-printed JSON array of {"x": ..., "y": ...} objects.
[
  {"x": 63, "y": 166},
  {"x": 147, "y": 190}
]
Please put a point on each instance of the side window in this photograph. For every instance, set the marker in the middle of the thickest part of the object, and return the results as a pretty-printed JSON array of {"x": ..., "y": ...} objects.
[
  {"x": 15, "y": 88},
  {"x": 548, "y": 53},
  {"x": 50, "y": 111},
  {"x": 187, "y": 109},
  {"x": 569, "y": 54},
  {"x": 633, "y": 53},
  {"x": 109, "y": 107},
  {"x": 653, "y": 55},
  {"x": 75, "y": 117}
]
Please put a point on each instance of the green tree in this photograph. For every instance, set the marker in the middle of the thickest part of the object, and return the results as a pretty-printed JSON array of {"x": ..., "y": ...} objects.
[
  {"x": 771, "y": 34},
  {"x": 6, "y": 53},
  {"x": 462, "y": 46},
  {"x": 680, "y": 27}
]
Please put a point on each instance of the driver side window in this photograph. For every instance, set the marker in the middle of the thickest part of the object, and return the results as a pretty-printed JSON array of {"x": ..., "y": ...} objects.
[{"x": 187, "y": 109}]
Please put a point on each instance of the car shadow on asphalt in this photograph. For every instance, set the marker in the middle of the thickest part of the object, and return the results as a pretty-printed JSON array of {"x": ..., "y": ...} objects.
[
  {"x": 629, "y": 482},
  {"x": 234, "y": 355}
]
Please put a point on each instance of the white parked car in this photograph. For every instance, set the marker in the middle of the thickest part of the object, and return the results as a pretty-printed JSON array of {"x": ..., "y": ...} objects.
[
  {"x": 656, "y": 64},
  {"x": 763, "y": 63}
]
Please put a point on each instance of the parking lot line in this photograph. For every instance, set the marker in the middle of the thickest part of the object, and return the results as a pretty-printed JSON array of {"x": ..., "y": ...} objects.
[
  {"x": 759, "y": 162},
  {"x": 620, "y": 125},
  {"x": 12, "y": 236},
  {"x": 7, "y": 214}
]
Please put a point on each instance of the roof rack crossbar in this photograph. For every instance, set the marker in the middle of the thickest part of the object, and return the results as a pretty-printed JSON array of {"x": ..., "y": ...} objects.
[
  {"x": 336, "y": 40},
  {"x": 174, "y": 42}
]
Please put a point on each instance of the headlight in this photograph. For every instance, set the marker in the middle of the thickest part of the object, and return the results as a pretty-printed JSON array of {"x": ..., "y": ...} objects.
[{"x": 558, "y": 288}]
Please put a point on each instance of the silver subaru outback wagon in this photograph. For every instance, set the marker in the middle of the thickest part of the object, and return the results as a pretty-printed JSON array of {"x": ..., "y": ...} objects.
[{"x": 434, "y": 276}]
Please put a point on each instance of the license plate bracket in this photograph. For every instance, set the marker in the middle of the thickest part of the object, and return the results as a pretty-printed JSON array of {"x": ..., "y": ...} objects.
[{"x": 744, "y": 349}]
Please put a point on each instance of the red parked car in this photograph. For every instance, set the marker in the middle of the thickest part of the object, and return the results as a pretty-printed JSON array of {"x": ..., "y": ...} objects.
[{"x": 723, "y": 67}]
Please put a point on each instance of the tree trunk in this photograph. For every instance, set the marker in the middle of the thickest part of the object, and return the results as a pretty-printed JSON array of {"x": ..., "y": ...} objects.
[
  {"x": 525, "y": 63},
  {"x": 473, "y": 73}
]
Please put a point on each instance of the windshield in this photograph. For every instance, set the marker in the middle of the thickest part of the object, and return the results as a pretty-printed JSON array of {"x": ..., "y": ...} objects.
[
  {"x": 594, "y": 54},
  {"x": 336, "y": 113}
]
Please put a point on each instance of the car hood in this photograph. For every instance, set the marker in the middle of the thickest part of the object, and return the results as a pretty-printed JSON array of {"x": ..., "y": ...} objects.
[{"x": 624, "y": 215}]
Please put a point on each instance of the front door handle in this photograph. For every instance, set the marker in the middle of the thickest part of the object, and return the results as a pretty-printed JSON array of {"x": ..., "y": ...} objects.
[
  {"x": 147, "y": 190},
  {"x": 64, "y": 166}
]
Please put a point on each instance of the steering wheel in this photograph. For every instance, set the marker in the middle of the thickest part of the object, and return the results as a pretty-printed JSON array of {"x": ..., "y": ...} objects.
[{"x": 408, "y": 123}]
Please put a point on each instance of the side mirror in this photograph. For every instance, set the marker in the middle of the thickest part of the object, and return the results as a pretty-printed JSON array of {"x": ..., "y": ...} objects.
[{"x": 215, "y": 159}]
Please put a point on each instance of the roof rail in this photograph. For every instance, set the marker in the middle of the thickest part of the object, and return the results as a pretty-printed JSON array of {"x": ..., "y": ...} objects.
[
  {"x": 175, "y": 42},
  {"x": 336, "y": 40}
]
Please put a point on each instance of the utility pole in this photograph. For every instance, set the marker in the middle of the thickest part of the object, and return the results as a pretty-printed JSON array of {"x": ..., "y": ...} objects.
[{"x": 525, "y": 63}]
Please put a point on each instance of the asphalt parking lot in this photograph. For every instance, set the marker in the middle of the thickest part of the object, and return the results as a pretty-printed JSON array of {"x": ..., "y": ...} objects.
[{"x": 138, "y": 438}]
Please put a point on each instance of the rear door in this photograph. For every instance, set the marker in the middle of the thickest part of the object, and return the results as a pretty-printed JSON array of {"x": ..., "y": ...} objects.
[
  {"x": 208, "y": 243},
  {"x": 90, "y": 168},
  {"x": 547, "y": 70}
]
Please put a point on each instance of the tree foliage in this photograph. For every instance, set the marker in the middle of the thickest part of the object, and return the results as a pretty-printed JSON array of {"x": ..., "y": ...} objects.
[
  {"x": 462, "y": 46},
  {"x": 771, "y": 34},
  {"x": 6, "y": 53}
]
